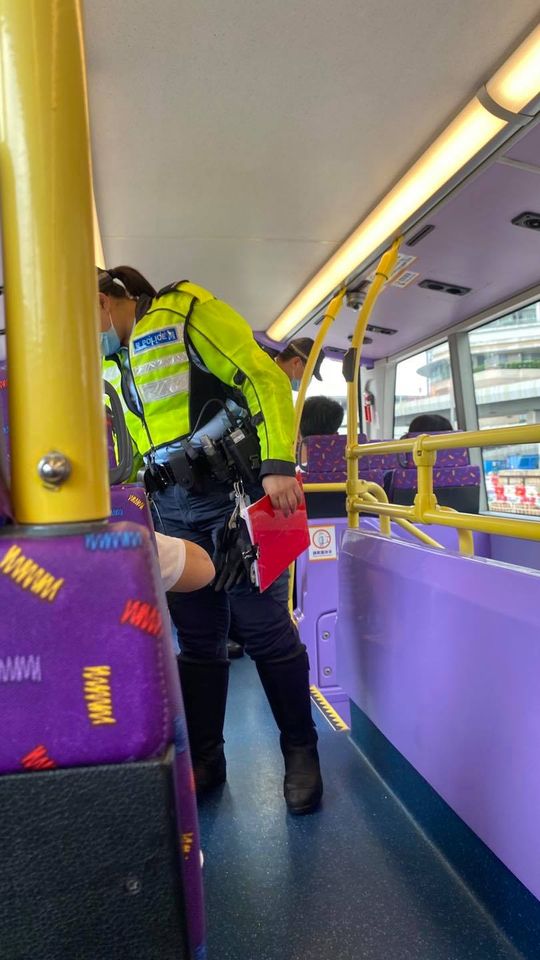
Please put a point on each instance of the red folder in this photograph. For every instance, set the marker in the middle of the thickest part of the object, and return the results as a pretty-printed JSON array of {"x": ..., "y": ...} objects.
[{"x": 280, "y": 539}]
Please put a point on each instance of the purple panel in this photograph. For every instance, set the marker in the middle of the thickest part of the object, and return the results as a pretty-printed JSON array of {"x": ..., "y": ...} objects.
[
  {"x": 317, "y": 590},
  {"x": 521, "y": 553},
  {"x": 527, "y": 149},
  {"x": 326, "y": 650},
  {"x": 442, "y": 653},
  {"x": 446, "y": 536}
]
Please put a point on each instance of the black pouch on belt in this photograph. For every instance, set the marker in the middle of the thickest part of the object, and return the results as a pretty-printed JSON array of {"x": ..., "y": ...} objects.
[{"x": 182, "y": 469}]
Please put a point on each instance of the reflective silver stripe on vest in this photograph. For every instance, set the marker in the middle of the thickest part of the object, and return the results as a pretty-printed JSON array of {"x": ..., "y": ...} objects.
[
  {"x": 167, "y": 387},
  {"x": 158, "y": 363}
]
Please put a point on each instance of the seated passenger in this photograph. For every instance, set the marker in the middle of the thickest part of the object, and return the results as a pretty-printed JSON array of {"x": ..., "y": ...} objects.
[
  {"x": 429, "y": 423},
  {"x": 321, "y": 416},
  {"x": 184, "y": 566}
]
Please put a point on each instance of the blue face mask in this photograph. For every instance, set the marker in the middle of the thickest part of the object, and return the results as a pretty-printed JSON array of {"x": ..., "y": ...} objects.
[
  {"x": 110, "y": 342},
  {"x": 295, "y": 383}
]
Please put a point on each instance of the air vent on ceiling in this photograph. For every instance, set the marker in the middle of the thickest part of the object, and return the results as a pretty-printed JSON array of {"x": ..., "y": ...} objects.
[
  {"x": 529, "y": 220},
  {"x": 387, "y": 331},
  {"x": 420, "y": 235},
  {"x": 366, "y": 339},
  {"x": 437, "y": 286}
]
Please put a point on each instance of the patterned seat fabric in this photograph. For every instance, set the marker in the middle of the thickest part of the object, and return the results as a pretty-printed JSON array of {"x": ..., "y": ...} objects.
[
  {"x": 112, "y": 695},
  {"x": 325, "y": 457},
  {"x": 450, "y": 476},
  {"x": 130, "y": 502},
  {"x": 372, "y": 476}
]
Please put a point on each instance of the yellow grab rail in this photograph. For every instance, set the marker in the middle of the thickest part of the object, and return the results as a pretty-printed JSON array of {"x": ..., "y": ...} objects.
[
  {"x": 384, "y": 269},
  {"x": 425, "y": 508},
  {"x": 374, "y": 494},
  {"x": 58, "y": 448},
  {"x": 327, "y": 321},
  {"x": 331, "y": 313}
]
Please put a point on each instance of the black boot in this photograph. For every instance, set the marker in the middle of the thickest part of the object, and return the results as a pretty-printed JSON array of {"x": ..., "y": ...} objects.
[
  {"x": 204, "y": 688},
  {"x": 286, "y": 684}
]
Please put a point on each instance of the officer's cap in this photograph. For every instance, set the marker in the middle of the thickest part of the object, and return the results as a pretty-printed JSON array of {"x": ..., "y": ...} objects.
[{"x": 302, "y": 348}]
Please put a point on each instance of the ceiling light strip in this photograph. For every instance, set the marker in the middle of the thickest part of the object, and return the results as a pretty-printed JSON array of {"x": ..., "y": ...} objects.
[{"x": 513, "y": 88}]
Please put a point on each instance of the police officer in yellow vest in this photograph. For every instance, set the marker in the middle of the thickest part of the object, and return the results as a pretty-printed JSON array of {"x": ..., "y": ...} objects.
[{"x": 181, "y": 360}]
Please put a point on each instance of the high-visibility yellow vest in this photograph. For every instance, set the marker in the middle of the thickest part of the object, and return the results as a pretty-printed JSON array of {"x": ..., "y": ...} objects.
[{"x": 223, "y": 343}]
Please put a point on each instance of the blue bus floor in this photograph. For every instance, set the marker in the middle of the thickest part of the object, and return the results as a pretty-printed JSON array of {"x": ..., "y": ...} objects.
[{"x": 355, "y": 881}]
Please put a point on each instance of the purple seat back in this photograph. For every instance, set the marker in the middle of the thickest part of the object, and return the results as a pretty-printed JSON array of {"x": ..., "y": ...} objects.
[
  {"x": 87, "y": 670},
  {"x": 445, "y": 458},
  {"x": 380, "y": 461},
  {"x": 129, "y": 502},
  {"x": 113, "y": 694},
  {"x": 373, "y": 476},
  {"x": 455, "y": 476},
  {"x": 325, "y": 456},
  {"x": 455, "y": 481}
]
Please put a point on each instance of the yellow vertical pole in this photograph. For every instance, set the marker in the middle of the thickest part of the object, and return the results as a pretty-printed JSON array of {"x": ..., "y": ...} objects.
[
  {"x": 59, "y": 461},
  {"x": 328, "y": 319},
  {"x": 384, "y": 269}
]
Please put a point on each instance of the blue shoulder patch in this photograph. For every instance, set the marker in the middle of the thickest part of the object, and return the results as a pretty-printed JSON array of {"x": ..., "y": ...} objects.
[{"x": 155, "y": 338}]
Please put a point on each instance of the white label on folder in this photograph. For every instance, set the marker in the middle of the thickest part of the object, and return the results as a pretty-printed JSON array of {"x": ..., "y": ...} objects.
[{"x": 322, "y": 543}]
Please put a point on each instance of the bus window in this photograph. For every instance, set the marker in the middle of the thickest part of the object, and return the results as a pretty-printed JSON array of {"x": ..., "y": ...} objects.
[
  {"x": 332, "y": 385},
  {"x": 424, "y": 385},
  {"x": 506, "y": 370}
]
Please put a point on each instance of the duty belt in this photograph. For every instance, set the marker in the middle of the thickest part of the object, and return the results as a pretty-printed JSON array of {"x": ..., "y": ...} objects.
[{"x": 236, "y": 456}]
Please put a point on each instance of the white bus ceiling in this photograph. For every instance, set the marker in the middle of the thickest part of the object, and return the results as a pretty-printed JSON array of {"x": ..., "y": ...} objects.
[{"x": 238, "y": 143}]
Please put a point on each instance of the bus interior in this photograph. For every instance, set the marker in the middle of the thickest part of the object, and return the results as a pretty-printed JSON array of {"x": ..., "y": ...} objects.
[{"x": 368, "y": 176}]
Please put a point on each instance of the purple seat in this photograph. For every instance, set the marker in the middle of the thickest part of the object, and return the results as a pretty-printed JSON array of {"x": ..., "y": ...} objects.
[
  {"x": 373, "y": 476},
  {"x": 325, "y": 463},
  {"x": 380, "y": 461},
  {"x": 326, "y": 455},
  {"x": 87, "y": 670},
  {"x": 456, "y": 483},
  {"x": 112, "y": 695},
  {"x": 130, "y": 502},
  {"x": 442, "y": 477}
]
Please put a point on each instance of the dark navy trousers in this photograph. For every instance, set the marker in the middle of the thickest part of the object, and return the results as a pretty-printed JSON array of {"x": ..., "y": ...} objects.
[{"x": 260, "y": 621}]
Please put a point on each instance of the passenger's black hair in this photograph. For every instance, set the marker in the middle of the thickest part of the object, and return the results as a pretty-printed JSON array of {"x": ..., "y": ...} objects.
[
  {"x": 321, "y": 416},
  {"x": 131, "y": 283},
  {"x": 430, "y": 423}
]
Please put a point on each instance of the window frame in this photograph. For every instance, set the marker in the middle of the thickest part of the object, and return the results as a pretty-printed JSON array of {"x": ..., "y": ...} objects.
[{"x": 461, "y": 370}]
